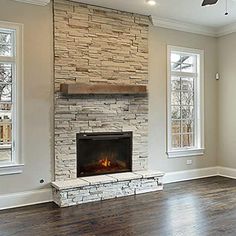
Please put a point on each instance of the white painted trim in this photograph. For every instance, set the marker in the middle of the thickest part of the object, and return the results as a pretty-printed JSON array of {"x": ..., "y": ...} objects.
[
  {"x": 11, "y": 169},
  {"x": 17, "y": 156},
  {"x": 183, "y": 26},
  {"x": 178, "y": 176},
  {"x": 193, "y": 28},
  {"x": 186, "y": 153},
  {"x": 227, "y": 172},
  {"x": 225, "y": 30},
  {"x": 35, "y": 2},
  {"x": 20, "y": 199},
  {"x": 198, "y": 149}
]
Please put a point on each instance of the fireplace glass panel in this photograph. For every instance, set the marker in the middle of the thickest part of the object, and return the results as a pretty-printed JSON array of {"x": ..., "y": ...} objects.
[{"x": 103, "y": 153}]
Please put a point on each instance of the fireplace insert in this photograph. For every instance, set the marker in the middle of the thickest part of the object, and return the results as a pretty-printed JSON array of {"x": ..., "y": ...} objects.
[{"x": 103, "y": 153}]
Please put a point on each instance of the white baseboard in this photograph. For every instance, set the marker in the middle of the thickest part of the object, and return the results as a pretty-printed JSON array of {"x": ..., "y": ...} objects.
[
  {"x": 227, "y": 172},
  {"x": 178, "y": 176},
  {"x": 25, "y": 198},
  {"x": 20, "y": 199}
]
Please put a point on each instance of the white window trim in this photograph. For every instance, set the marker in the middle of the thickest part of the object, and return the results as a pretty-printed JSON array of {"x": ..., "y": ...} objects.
[
  {"x": 199, "y": 104},
  {"x": 16, "y": 165}
]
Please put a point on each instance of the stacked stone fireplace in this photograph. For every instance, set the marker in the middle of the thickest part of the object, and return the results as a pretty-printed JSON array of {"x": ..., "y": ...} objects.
[{"x": 93, "y": 45}]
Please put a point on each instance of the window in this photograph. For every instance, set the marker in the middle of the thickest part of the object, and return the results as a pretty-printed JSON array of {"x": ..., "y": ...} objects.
[
  {"x": 185, "y": 102},
  {"x": 10, "y": 76}
]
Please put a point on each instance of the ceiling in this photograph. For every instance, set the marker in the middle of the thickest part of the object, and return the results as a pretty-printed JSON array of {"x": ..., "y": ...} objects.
[
  {"x": 183, "y": 15},
  {"x": 189, "y": 11}
]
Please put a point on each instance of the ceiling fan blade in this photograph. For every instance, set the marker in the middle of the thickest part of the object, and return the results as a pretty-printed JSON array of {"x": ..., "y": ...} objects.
[{"x": 209, "y": 2}]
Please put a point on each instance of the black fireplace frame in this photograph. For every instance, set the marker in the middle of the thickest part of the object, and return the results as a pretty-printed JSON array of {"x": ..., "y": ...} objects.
[{"x": 104, "y": 136}]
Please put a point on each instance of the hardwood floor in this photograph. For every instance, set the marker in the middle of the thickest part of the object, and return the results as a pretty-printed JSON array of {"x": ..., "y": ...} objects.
[{"x": 199, "y": 207}]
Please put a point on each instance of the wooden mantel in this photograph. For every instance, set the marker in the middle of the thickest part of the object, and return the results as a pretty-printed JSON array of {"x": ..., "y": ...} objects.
[{"x": 82, "y": 89}]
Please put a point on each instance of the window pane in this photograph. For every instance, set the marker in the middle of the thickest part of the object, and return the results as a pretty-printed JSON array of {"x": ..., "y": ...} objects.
[
  {"x": 175, "y": 66},
  {"x": 188, "y": 68},
  {"x": 5, "y": 132},
  {"x": 5, "y": 154},
  {"x": 5, "y": 108},
  {"x": 5, "y": 92},
  {"x": 187, "y": 84},
  {"x": 176, "y": 126},
  {"x": 183, "y": 99},
  {"x": 5, "y": 44},
  {"x": 187, "y": 98},
  {"x": 175, "y": 83},
  {"x": 175, "y": 112},
  {"x": 187, "y": 140},
  {"x": 187, "y": 126},
  {"x": 187, "y": 112},
  {"x": 176, "y": 141},
  {"x": 190, "y": 60},
  {"x": 175, "y": 57},
  {"x": 175, "y": 98},
  {"x": 5, "y": 136},
  {"x": 5, "y": 73},
  {"x": 5, "y": 82}
]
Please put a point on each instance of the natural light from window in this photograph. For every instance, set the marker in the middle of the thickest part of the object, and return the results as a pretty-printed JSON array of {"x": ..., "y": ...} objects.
[
  {"x": 185, "y": 101},
  {"x": 7, "y": 65}
]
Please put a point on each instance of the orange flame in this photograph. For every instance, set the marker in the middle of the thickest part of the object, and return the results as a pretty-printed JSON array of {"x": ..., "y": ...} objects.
[{"x": 105, "y": 162}]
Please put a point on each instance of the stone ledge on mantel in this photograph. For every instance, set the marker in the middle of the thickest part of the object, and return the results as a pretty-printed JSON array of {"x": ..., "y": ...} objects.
[{"x": 103, "y": 179}]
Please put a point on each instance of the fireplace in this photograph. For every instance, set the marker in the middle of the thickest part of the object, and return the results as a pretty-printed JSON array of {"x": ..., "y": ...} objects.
[{"x": 103, "y": 153}]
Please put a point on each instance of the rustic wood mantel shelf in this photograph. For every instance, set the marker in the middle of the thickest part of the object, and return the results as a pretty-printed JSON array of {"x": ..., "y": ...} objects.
[{"x": 82, "y": 89}]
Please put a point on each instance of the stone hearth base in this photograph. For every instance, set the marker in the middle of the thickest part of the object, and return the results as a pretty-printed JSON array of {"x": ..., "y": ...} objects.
[{"x": 102, "y": 187}]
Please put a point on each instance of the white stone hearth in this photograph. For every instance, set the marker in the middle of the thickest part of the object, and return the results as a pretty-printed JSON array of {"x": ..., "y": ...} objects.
[
  {"x": 126, "y": 176},
  {"x": 73, "y": 183},
  {"x": 102, "y": 187},
  {"x": 99, "y": 179}
]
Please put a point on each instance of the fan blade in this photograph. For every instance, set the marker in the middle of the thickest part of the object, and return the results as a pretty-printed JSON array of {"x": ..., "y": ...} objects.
[{"x": 209, "y": 2}]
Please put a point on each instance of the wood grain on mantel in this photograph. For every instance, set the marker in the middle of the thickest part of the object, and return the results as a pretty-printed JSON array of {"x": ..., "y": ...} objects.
[{"x": 82, "y": 89}]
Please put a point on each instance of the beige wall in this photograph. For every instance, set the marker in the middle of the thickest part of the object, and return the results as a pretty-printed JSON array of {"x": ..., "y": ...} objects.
[
  {"x": 38, "y": 96},
  {"x": 227, "y": 101},
  {"x": 37, "y": 99},
  {"x": 159, "y": 39}
]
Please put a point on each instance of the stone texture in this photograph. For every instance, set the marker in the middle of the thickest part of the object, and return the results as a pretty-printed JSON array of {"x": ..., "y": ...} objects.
[
  {"x": 149, "y": 173},
  {"x": 93, "y": 44},
  {"x": 73, "y": 183},
  {"x": 103, "y": 190},
  {"x": 97, "y": 45},
  {"x": 92, "y": 180},
  {"x": 98, "y": 114},
  {"x": 125, "y": 176}
]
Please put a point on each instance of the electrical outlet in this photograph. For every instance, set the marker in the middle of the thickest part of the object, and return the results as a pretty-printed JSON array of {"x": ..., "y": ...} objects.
[{"x": 189, "y": 162}]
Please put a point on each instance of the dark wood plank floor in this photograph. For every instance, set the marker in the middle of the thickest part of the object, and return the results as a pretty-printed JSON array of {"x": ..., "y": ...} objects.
[{"x": 199, "y": 207}]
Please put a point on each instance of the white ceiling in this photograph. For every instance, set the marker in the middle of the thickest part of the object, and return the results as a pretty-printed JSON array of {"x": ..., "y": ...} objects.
[{"x": 189, "y": 11}]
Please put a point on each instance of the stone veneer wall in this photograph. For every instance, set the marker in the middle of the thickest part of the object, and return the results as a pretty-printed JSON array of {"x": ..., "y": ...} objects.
[
  {"x": 103, "y": 191},
  {"x": 97, "y": 45}
]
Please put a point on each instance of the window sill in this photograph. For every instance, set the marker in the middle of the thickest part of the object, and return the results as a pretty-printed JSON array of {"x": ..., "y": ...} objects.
[
  {"x": 186, "y": 153},
  {"x": 11, "y": 168}
]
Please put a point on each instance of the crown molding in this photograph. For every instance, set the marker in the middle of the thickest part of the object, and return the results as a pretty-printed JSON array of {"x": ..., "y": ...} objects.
[
  {"x": 227, "y": 29},
  {"x": 35, "y": 2},
  {"x": 183, "y": 26},
  {"x": 194, "y": 28}
]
